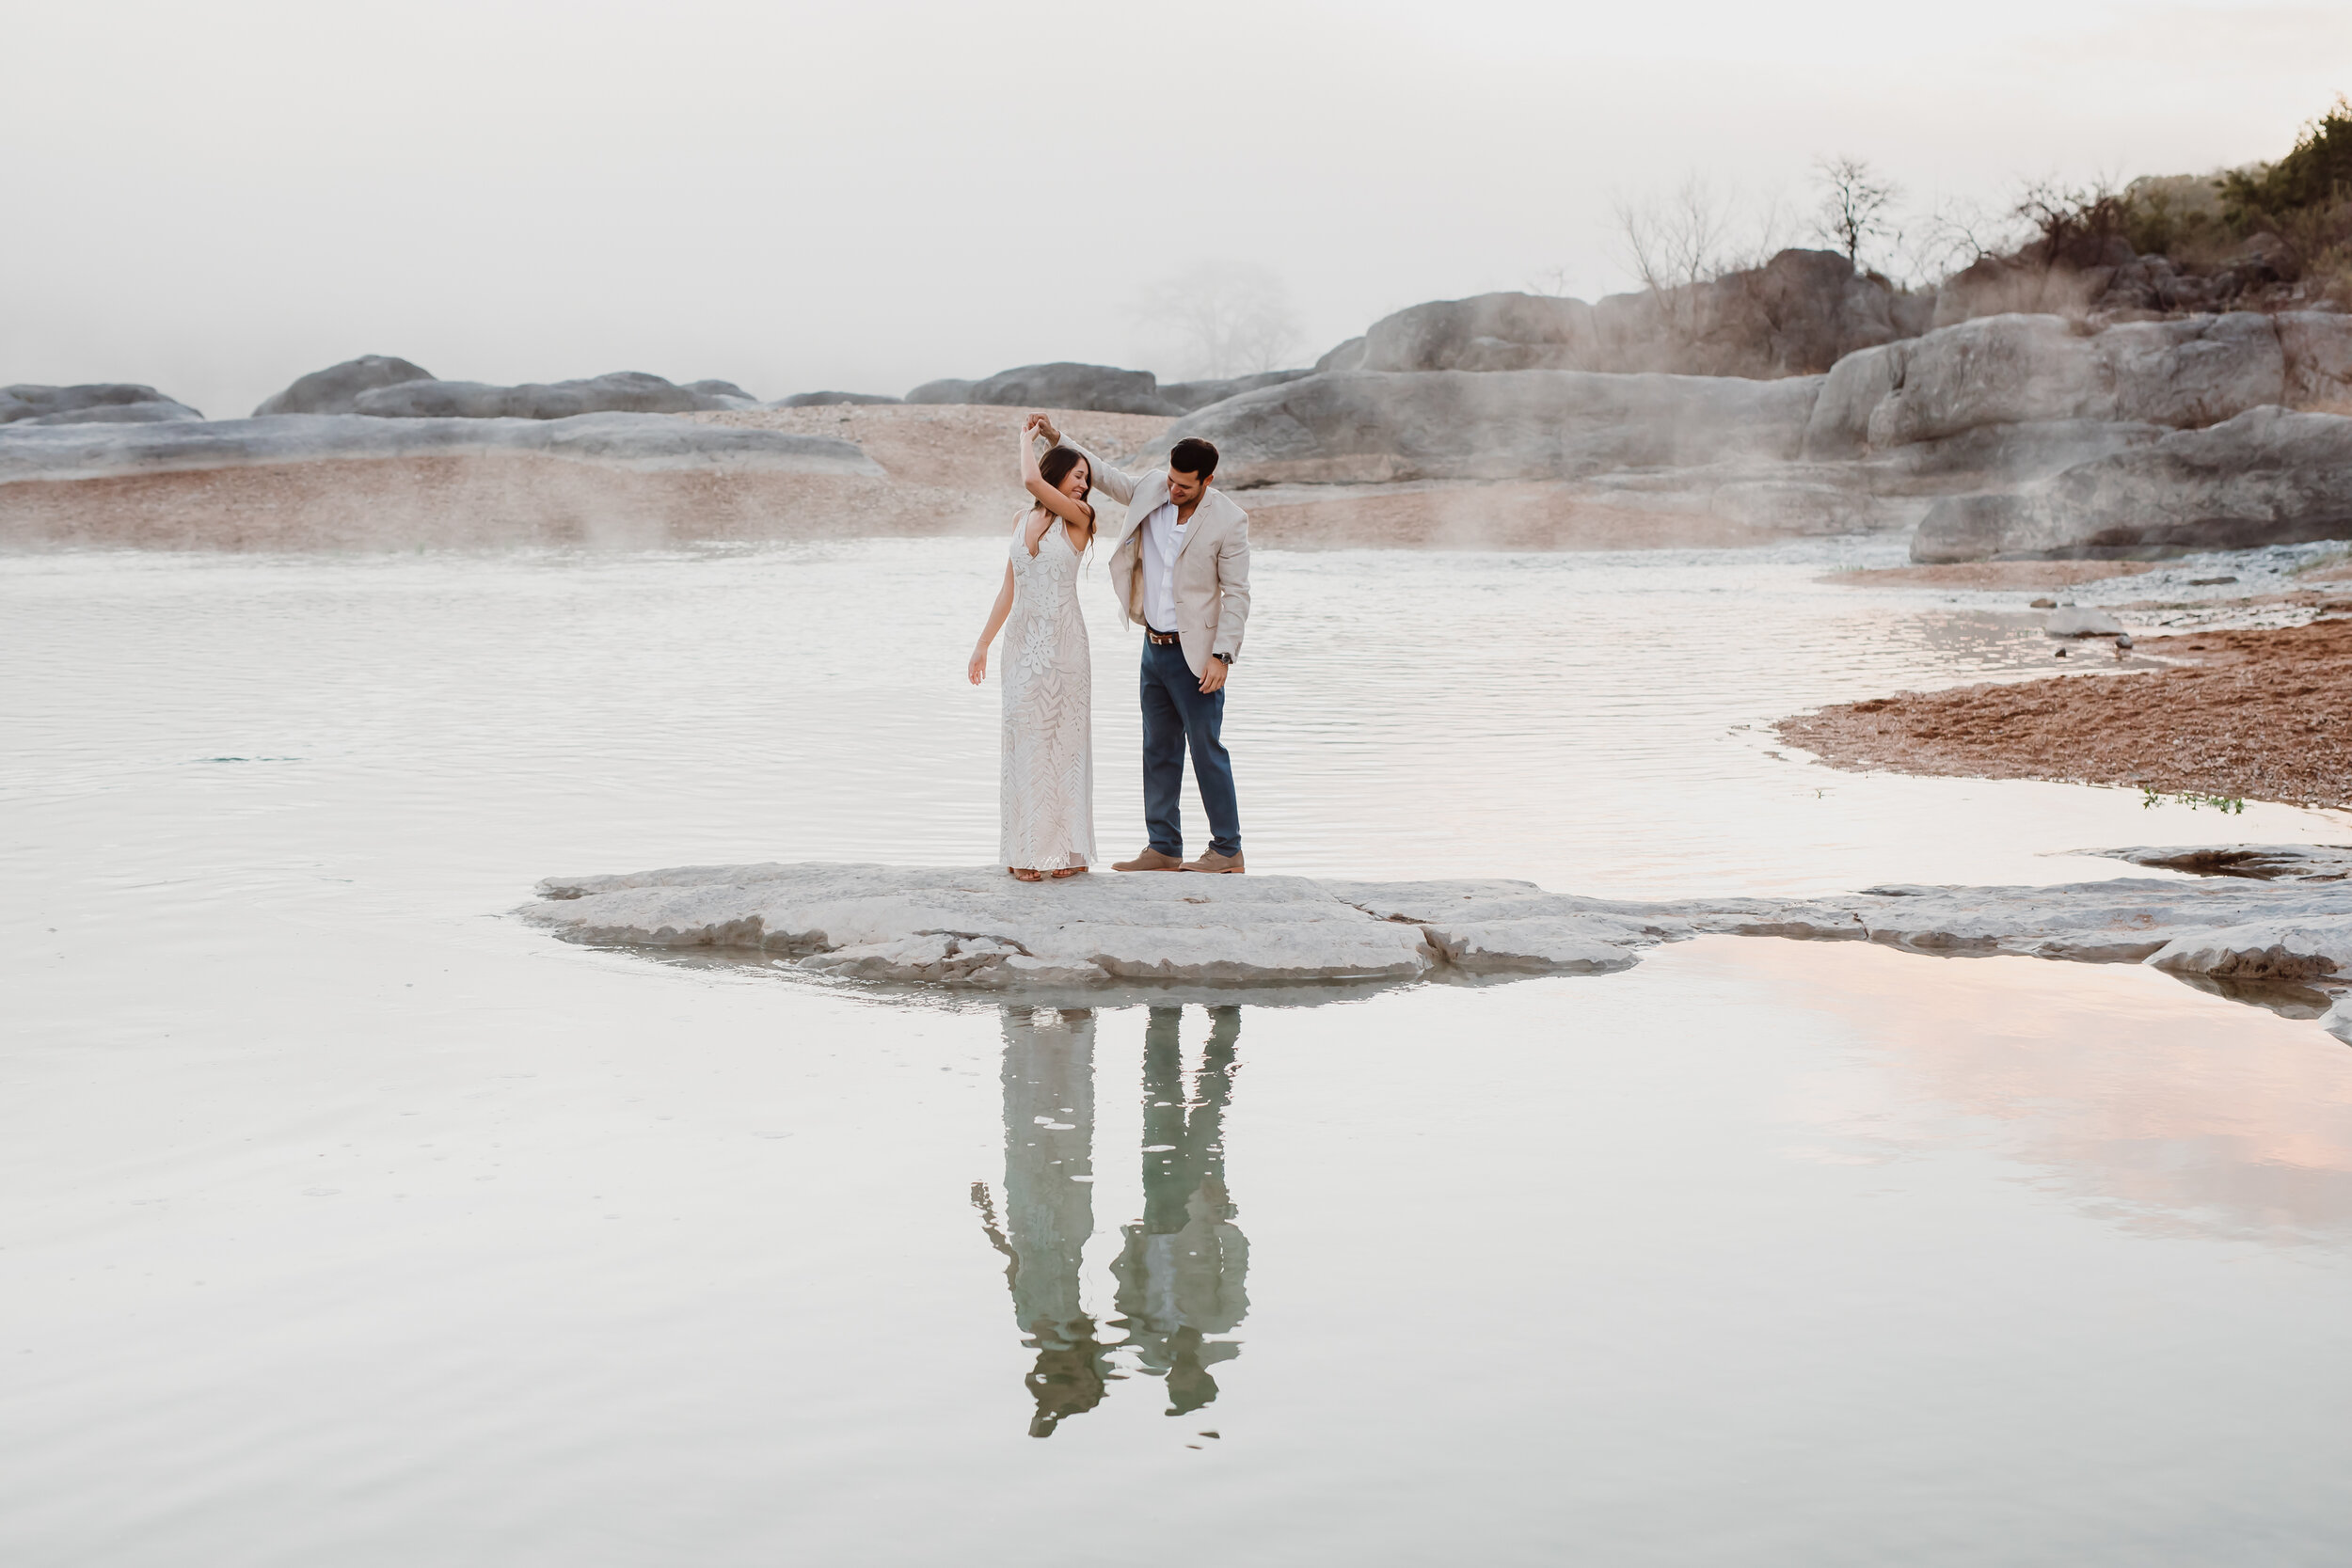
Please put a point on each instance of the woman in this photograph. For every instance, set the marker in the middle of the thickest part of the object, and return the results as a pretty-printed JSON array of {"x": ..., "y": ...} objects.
[{"x": 1048, "y": 776}]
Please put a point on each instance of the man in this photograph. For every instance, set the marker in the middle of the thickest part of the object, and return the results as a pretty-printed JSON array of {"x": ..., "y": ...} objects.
[{"x": 1181, "y": 569}]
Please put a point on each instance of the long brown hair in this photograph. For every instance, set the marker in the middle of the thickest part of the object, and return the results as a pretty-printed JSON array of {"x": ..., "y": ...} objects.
[{"x": 1054, "y": 467}]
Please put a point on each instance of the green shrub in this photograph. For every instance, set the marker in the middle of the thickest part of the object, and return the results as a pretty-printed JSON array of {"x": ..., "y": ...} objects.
[{"x": 2317, "y": 174}]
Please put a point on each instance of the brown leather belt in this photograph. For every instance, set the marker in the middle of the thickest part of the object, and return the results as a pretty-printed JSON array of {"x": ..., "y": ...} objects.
[{"x": 1159, "y": 638}]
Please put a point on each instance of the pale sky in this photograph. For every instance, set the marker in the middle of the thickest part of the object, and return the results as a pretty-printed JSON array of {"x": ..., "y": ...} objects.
[{"x": 216, "y": 198}]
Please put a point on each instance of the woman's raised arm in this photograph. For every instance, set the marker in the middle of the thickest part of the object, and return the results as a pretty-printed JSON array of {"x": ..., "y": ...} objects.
[{"x": 1077, "y": 513}]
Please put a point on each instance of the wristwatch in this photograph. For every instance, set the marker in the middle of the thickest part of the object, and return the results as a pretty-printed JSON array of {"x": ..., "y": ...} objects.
[{"x": 1226, "y": 658}]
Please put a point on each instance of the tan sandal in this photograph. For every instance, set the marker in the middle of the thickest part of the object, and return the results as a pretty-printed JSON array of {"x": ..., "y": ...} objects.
[
  {"x": 1069, "y": 871},
  {"x": 1022, "y": 873}
]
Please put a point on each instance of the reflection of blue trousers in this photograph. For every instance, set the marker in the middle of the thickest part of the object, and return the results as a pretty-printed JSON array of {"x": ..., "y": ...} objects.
[{"x": 1176, "y": 713}]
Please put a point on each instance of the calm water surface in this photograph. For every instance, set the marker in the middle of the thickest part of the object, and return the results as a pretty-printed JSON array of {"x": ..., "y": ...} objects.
[{"x": 345, "y": 1220}]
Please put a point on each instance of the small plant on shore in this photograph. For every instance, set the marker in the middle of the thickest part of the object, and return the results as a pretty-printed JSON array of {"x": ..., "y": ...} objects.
[{"x": 2229, "y": 805}]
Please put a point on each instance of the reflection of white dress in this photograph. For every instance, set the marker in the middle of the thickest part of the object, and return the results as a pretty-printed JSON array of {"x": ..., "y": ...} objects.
[{"x": 1048, "y": 777}]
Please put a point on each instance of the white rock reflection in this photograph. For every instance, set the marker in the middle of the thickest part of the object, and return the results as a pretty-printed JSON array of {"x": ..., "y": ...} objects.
[{"x": 2138, "y": 1104}]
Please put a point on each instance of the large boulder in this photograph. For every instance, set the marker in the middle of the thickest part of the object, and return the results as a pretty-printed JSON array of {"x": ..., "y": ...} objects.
[
  {"x": 2317, "y": 347},
  {"x": 93, "y": 403},
  {"x": 1096, "y": 389},
  {"x": 1485, "y": 332},
  {"x": 947, "y": 391},
  {"x": 162, "y": 411},
  {"x": 1367, "y": 426},
  {"x": 1996, "y": 370},
  {"x": 1348, "y": 356},
  {"x": 620, "y": 393},
  {"x": 725, "y": 393},
  {"x": 333, "y": 390},
  {"x": 2267, "y": 477},
  {"x": 2044, "y": 369},
  {"x": 1189, "y": 395},
  {"x": 1797, "y": 314}
]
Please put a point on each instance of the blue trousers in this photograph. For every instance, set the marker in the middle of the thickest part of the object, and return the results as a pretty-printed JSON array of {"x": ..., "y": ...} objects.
[{"x": 1176, "y": 715}]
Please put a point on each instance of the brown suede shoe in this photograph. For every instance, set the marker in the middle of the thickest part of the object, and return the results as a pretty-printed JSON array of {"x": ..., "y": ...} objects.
[
  {"x": 1211, "y": 860},
  {"x": 1151, "y": 860}
]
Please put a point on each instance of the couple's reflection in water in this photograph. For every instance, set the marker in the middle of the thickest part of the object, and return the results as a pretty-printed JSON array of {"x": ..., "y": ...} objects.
[{"x": 1180, "y": 1275}]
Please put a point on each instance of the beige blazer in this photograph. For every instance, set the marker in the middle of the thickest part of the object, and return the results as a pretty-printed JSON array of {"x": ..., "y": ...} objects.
[{"x": 1212, "y": 564}]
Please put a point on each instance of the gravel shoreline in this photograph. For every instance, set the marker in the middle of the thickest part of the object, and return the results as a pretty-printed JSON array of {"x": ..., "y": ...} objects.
[{"x": 2243, "y": 714}]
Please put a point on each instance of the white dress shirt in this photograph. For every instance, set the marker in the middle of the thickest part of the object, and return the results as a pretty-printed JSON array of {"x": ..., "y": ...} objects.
[{"x": 1163, "y": 536}]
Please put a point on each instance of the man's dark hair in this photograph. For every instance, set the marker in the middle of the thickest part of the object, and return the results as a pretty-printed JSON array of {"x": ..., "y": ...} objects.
[{"x": 1192, "y": 455}]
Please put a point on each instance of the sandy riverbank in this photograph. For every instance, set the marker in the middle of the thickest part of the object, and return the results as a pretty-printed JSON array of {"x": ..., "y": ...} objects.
[
  {"x": 944, "y": 470},
  {"x": 2253, "y": 715},
  {"x": 963, "y": 457}
]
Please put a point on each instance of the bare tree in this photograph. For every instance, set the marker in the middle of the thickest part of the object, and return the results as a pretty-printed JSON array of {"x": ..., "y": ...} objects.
[
  {"x": 1230, "y": 318},
  {"x": 1692, "y": 237},
  {"x": 1958, "y": 234},
  {"x": 1551, "y": 281},
  {"x": 2074, "y": 225},
  {"x": 1857, "y": 206},
  {"x": 1684, "y": 239}
]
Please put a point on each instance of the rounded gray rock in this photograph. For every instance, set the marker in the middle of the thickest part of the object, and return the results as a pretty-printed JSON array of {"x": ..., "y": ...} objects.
[
  {"x": 619, "y": 392},
  {"x": 86, "y": 404},
  {"x": 333, "y": 390}
]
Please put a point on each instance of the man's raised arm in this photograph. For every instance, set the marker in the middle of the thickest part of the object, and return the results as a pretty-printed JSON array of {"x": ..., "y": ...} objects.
[{"x": 1118, "y": 483}]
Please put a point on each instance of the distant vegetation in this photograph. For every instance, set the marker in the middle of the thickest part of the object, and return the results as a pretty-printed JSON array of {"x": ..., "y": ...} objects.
[{"x": 2268, "y": 236}]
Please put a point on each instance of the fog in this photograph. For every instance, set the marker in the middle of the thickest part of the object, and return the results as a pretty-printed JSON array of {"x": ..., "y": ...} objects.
[{"x": 215, "y": 199}]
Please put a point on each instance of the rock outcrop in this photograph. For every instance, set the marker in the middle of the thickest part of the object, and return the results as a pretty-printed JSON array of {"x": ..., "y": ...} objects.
[
  {"x": 1191, "y": 395},
  {"x": 1348, "y": 356},
  {"x": 2039, "y": 371},
  {"x": 2262, "y": 862},
  {"x": 2267, "y": 477},
  {"x": 726, "y": 393},
  {"x": 1993, "y": 404},
  {"x": 637, "y": 441},
  {"x": 2298, "y": 949},
  {"x": 334, "y": 389},
  {"x": 1101, "y": 389},
  {"x": 94, "y": 403},
  {"x": 978, "y": 928},
  {"x": 1366, "y": 426},
  {"x": 1796, "y": 315},
  {"x": 947, "y": 391},
  {"x": 620, "y": 393}
]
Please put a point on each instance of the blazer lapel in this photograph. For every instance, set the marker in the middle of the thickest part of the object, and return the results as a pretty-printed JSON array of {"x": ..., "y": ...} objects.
[{"x": 1202, "y": 515}]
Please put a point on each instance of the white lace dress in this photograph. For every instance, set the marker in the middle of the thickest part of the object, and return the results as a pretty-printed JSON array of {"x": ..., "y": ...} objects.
[{"x": 1048, "y": 777}]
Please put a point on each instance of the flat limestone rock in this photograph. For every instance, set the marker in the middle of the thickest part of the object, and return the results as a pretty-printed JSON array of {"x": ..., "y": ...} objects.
[
  {"x": 2316, "y": 948},
  {"x": 978, "y": 928},
  {"x": 2076, "y": 621},
  {"x": 1493, "y": 926},
  {"x": 2122, "y": 920},
  {"x": 2301, "y": 862},
  {"x": 648, "y": 442}
]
